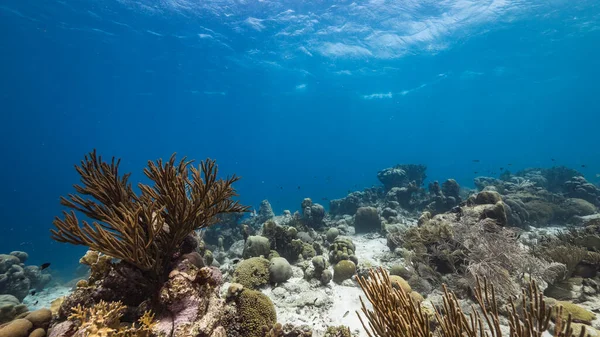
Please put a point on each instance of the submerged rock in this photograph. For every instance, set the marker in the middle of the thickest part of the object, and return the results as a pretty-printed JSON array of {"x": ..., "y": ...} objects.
[
  {"x": 280, "y": 270},
  {"x": 256, "y": 246},
  {"x": 367, "y": 220},
  {"x": 343, "y": 270}
]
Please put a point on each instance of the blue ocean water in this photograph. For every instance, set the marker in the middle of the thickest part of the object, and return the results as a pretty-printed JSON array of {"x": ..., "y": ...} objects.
[{"x": 301, "y": 99}]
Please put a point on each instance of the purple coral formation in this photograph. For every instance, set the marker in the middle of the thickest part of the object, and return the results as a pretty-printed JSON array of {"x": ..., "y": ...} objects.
[
  {"x": 216, "y": 276},
  {"x": 190, "y": 298},
  {"x": 180, "y": 313}
]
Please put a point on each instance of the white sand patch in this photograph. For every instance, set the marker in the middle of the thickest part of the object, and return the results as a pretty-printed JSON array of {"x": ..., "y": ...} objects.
[
  {"x": 369, "y": 249},
  {"x": 42, "y": 299},
  {"x": 302, "y": 302},
  {"x": 346, "y": 303}
]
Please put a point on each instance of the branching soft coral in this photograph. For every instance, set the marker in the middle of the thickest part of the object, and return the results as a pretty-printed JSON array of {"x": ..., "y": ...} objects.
[
  {"x": 103, "y": 320},
  {"x": 144, "y": 229},
  {"x": 395, "y": 314}
]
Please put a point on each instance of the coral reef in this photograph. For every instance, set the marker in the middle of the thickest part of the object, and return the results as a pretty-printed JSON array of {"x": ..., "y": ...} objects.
[
  {"x": 252, "y": 273},
  {"x": 17, "y": 279},
  {"x": 578, "y": 187},
  {"x": 542, "y": 197},
  {"x": 354, "y": 200},
  {"x": 192, "y": 304},
  {"x": 144, "y": 230},
  {"x": 286, "y": 242},
  {"x": 342, "y": 249},
  {"x": 265, "y": 212},
  {"x": 468, "y": 243},
  {"x": 280, "y": 270},
  {"x": 274, "y": 266},
  {"x": 444, "y": 198},
  {"x": 367, "y": 220},
  {"x": 225, "y": 231},
  {"x": 402, "y": 175},
  {"x": 152, "y": 234},
  {"x": 395, "y": 313},
  {"x": 312, "y": 214},
  {"x": 256, "y": 246},
  {"x": 103, "y": 319},
  {"x": 251, "y": 314},
  {"x": 29, "y": 324},
  {"x": 10, "y": 308},
  {"x": 343, "y": 270}
]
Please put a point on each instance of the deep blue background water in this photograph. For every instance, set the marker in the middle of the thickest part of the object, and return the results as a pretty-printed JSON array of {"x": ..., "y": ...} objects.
[{"x": 78, "y": 75}]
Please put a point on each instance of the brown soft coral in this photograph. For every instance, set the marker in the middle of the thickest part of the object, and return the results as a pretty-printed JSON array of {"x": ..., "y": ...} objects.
[{"x": 147, "y": 229}]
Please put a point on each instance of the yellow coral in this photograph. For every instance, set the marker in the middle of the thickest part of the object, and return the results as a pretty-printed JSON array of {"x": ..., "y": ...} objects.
[
  {"x": 99, "y": 264},
  {"x": 255, "y": 311},
  {"x": 55, "y": 305},
  {"x": 103, "y": 320}
]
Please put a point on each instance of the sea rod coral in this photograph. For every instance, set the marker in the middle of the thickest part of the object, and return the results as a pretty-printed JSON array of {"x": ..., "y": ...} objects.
[
  {"x": 395, "y": 314},
  {"x": 145, "y": 230}
]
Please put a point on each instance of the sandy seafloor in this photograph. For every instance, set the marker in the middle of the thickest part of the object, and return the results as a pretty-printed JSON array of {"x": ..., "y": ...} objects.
[{"x": 302, "y": 302}]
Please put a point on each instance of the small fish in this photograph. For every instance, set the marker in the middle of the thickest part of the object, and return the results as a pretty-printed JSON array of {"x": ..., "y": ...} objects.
[
  {"x": 502, "y": 169},
  {"x": 33, "y": 292},
  {"x": 324, "y": 199},
  {"x": 552, "y": 159},
  {"x": 475, "y": 172},
  {"x": 45, "y": 265},
  {"x": 347, "y": 312},
  {"x": 36, "y": 302},
  {"x": 583, "y": 165},
  {"x": 476, "y": 160},
  {"x": 298, "y": 187},
  {"x": 509, "y": 164}
]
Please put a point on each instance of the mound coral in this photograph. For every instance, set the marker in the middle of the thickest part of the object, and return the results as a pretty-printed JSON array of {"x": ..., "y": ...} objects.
[
  {"x": 252, "y": 273},
  {"x": 367, "y": 220},
  {"x": 33, "y": 324},
  {"x": 344, "y": 270},
  {"x": 254, "y": 313}
]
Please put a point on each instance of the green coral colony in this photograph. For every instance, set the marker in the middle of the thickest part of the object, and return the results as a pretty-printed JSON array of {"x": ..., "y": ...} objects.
[{"x": 179, "y": 258}]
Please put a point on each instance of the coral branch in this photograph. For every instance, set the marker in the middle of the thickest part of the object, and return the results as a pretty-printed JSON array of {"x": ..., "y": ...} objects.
[
  {"x": 146, "y": 229},
  {"x": 395, "y": 314}
]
